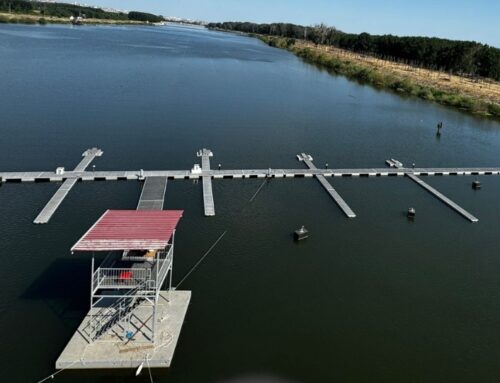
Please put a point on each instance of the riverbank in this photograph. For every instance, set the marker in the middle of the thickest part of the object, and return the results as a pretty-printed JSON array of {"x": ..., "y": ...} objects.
[
  {"x": 19, "y": 18},
  {"x": 479, "y": 97}
]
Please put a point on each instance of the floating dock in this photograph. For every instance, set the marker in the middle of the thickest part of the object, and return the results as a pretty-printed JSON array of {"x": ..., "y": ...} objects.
[
  {"x": 51, "y": 207},
  {"x": 208, "y": 195},
  {"x": 443, "y": 198},
  {"x": 137, "y": 175},
  {"x": 307, "y": 159},
  {"x": 413, "y": 176},
  {"x": 70, "y": 178},
  {"x": 113, "y": 352}
]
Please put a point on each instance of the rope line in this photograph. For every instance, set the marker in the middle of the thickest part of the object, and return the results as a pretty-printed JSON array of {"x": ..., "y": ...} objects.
[
  {"x": 149, "y": 369},
  {"x": 217, "y": 241},
  {"x": 257, "y": 192},
  {"x": 51, "y": 376},
  {"x": 201, "y": 259}
]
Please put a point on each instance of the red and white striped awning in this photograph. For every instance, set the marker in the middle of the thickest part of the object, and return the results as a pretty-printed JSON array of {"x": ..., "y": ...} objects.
[{"x": 130, "y": 230}]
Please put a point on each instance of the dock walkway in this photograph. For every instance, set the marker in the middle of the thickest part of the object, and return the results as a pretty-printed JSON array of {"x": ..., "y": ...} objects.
[
  {"x": 208, "y": 195},
  {"x": 153, "y": 193},
  {"x": 70, "y": 178},
  {"x": 413, "y": 176},
  {"x": 129, "y": 175},
  {"x": 442, "y": 197},
  {"x": 307, "y": 159},
  {"x": 51, "y": 207}
]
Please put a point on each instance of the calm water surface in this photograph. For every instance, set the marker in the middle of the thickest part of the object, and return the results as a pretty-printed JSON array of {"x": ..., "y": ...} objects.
[{"x": 376, "y": 298}]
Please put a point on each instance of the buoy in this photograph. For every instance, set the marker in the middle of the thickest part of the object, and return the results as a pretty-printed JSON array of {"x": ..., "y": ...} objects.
[
  {"x": 476, "y": 185},
  {"x": 411, "y": 212},
  {"x": 301, "y": 234}
]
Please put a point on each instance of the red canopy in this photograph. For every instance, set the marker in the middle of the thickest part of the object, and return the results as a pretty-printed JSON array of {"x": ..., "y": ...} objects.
[{"x": 130, "y": 230}]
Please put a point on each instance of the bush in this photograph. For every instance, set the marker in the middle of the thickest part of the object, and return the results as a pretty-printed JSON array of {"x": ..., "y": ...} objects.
[
  {"x": 425, "y": 94},
  {"x": 42, "y": 21},
  {"x": 26, "y": 20},
  {"x": 494, "y": 109},
  {"x": 467, "y": 103}
]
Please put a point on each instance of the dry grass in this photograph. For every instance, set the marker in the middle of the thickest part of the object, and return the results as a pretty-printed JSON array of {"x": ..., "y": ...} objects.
[{"x": 483, "y": 89}]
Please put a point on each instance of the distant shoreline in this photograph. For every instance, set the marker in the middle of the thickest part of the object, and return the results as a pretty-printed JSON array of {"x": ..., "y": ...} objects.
[
  {"x": 22, "y": 18},
  {"x": 30, "y": 19}
]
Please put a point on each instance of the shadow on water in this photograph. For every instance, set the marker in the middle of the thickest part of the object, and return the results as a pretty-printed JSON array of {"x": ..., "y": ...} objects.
[
  {"x": 111, "y": 376},
  {"x": 64, "y": 287}
]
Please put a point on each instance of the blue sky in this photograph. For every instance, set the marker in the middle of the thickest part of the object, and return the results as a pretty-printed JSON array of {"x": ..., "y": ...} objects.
[{"x": 477, "y": 20}]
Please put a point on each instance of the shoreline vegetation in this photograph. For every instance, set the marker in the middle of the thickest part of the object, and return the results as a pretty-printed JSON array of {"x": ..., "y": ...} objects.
[
  {"x": 479, "y": 97},
  {"x": 472, "y": 94},
  {"x": 9, "y": 18},
  {"x": 34, "y": 12}
]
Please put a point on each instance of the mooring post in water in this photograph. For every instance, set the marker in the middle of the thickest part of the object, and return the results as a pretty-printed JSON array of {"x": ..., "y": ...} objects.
[{"x": 439, "y": 126}]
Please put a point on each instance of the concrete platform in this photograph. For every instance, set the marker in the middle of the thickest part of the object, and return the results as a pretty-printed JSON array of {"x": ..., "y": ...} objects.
[{"x": 115, "y": 352}]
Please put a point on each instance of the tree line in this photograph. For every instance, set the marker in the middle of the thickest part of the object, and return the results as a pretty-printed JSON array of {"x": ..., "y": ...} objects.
[
  {"x": 67, "y": 10},
  {"x": 457, "y": 57}
]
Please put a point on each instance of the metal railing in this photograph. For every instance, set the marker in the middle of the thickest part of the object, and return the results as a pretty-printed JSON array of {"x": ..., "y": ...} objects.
[
  {"x": 163, "y": 267},
  {"x": 120, "y": 278}
]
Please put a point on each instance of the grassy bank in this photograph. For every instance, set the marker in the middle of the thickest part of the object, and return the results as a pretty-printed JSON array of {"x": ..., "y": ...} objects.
[
  {"x": 480, "y": 98},
  {"x": 17, "y": 18}
]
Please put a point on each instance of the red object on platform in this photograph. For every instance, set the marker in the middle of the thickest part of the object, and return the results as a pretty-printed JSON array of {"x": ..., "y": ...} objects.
[{"x": 125, "y": 275}]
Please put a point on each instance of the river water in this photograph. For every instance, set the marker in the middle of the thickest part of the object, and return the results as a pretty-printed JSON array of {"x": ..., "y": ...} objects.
[{"x": 375, "y": 298}]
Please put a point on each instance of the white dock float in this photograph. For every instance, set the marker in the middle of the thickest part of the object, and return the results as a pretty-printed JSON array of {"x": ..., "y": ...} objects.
[
  {"x": 153, "y": 194},
  {"x": 208, "y": 196},
  {"x": 443, "y": 198},
  {"x": 115, "y": 353},
  {"x": 328, "y": 187},
  {"x": 56, "y": 200}
]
